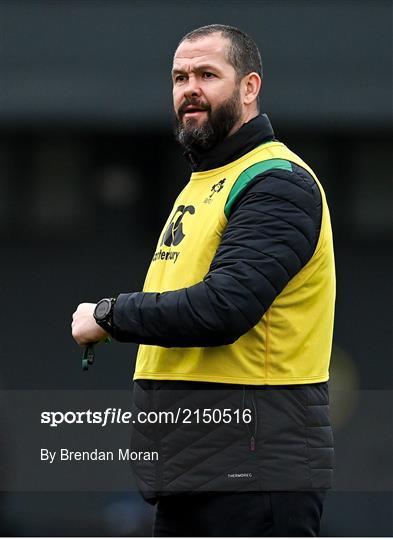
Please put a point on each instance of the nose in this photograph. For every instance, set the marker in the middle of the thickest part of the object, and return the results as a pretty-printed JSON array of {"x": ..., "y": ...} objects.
[{"x": 192, "y": 88}]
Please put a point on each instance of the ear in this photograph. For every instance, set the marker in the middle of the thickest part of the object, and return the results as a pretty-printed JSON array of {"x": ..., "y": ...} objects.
[{"x": 251, "y": 86}]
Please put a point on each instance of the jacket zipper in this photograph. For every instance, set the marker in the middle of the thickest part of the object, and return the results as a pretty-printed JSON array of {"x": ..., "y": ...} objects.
[
  {"x": 253, "y": 425},
  {"x": 157, "y": 443}
]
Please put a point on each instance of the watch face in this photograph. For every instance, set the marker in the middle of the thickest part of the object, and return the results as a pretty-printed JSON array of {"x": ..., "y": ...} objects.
[{"x": 102, "y": 309}]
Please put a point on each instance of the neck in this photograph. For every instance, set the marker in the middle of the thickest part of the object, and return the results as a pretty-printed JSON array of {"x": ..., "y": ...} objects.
[
  {"x": 246, "y": 117},
  {"x": 252, "y": 133}
]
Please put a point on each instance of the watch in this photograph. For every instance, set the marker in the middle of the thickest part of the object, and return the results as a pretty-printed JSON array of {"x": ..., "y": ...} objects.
[{"x": 103, "y": 313}]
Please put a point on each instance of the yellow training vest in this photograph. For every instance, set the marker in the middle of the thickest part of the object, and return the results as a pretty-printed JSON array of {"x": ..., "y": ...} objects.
[{"x": 291, "y": 344}]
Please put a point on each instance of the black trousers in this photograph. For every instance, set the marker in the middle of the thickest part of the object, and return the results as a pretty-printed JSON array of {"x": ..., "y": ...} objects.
[{"x": 240, "y": 514}]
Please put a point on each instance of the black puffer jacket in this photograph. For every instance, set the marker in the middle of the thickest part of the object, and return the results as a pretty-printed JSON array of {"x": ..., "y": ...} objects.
[
  {"x": 271, "y": 234},
  {"x": 287, "y": 446}
]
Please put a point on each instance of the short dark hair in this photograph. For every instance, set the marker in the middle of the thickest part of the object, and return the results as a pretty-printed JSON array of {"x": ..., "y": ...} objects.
[{"x": 243, "y": 53}]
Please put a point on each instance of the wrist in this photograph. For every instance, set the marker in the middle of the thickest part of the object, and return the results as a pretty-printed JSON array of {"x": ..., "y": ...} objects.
[{"x": 103, "y": 313}]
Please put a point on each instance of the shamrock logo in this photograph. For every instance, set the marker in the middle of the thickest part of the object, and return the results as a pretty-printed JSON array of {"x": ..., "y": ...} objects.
[{"x": 216, "y": 188}]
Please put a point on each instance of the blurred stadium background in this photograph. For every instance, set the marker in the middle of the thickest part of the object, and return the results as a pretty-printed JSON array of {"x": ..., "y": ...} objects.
[{"x": 88, "y": 173}]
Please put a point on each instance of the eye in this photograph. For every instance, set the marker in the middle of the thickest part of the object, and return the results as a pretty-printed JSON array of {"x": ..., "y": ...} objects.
[
  {"x": 208, "y": 75},
  {"x": 179, "y": 78}
]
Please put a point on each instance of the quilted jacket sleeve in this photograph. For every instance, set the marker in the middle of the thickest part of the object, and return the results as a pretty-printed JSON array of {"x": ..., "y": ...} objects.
[{"x": 271, "y": 234}]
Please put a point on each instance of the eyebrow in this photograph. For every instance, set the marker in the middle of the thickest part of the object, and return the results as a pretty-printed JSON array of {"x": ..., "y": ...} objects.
[{"x": 201, "y": 67}]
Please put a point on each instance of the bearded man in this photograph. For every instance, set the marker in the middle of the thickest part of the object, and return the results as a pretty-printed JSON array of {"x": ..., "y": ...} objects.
[{"x": 236, "y": 316}]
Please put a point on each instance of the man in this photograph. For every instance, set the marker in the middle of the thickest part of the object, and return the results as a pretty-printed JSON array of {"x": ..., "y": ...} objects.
[{"x": 236, "y": 315}]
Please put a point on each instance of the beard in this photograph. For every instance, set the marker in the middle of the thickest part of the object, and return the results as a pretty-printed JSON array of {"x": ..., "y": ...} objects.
[{"x": 215, "y": 129}]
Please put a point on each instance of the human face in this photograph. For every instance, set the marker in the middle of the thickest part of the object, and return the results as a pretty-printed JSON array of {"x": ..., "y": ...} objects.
[{"x": 206, "y": 95}]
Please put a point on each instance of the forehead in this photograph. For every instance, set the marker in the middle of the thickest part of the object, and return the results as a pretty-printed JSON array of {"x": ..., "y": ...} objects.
[{"x": 212, "y": 49}]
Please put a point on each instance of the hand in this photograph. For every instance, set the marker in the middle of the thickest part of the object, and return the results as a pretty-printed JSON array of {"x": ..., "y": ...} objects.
[{"x": 85, "y": 330}]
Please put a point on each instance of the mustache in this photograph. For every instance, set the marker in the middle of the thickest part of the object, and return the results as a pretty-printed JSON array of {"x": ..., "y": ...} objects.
[{"x": 195, "y": 103}]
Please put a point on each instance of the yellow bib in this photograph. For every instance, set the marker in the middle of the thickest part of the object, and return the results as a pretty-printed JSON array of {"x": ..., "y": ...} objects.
[{"x": 291, "y": 344}]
